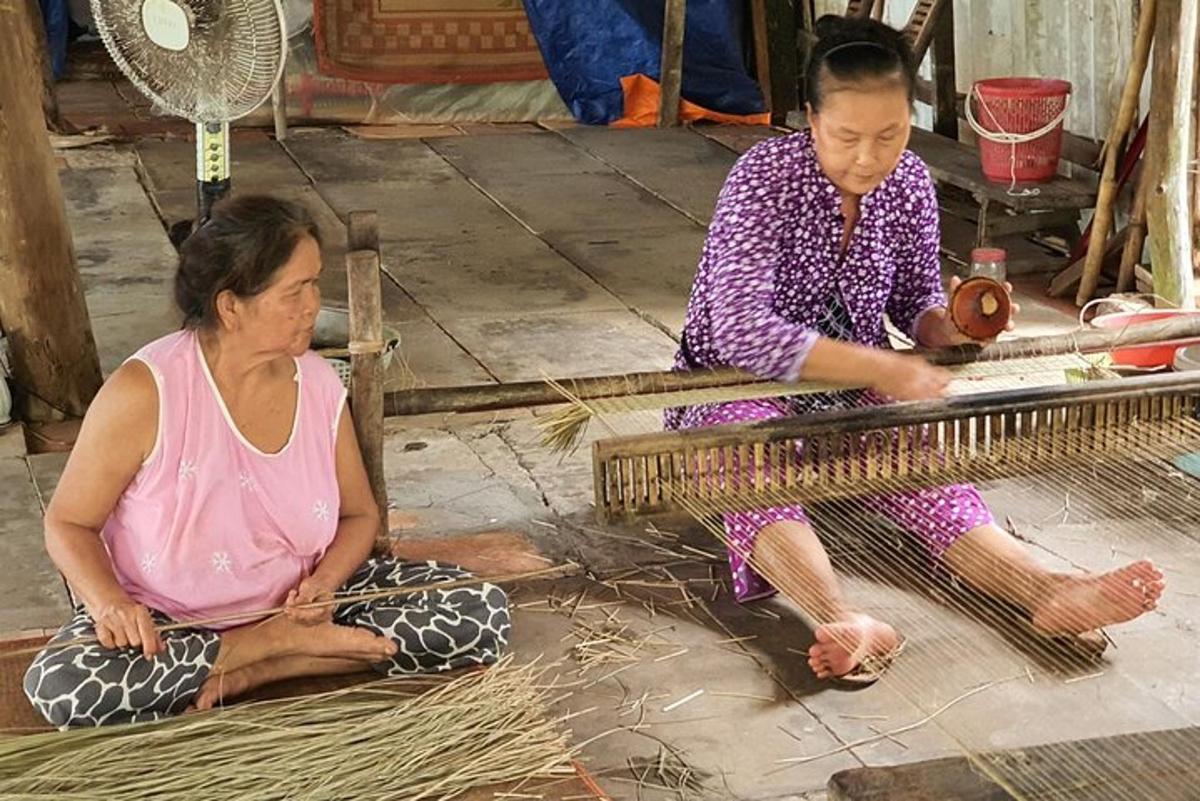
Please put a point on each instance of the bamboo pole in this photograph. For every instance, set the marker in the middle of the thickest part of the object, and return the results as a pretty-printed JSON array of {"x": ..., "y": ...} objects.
[
  {"x": 1122, "y": 122},
  {"x": 492, "y": 397},
  {"x": 1195, "y": 168},
  {"x": 366, "y": 351},
  {"x": 671, "y": 70},
  {"x": 1169, "y": 150},
  {"x": 42, "y": 308}
]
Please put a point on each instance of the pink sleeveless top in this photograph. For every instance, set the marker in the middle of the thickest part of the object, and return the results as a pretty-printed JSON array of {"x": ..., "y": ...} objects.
[{"x": 210, "y": 525}]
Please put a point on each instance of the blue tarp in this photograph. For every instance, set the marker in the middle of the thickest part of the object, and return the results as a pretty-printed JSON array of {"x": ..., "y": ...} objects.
[{"x": 589, "y": 45}]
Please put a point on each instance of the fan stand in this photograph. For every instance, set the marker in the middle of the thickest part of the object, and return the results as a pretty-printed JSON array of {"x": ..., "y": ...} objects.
[{"x": 212, "y": 177}]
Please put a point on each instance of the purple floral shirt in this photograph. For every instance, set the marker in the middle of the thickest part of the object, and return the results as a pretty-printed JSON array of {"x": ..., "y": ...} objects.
[{"x": 771, "y": 264}]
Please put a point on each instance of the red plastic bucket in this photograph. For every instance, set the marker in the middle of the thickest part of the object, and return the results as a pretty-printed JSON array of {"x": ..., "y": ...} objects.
[{"x": 1019, "y": 106}]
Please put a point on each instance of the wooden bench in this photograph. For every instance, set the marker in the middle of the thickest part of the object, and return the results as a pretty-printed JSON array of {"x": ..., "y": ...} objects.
[{"x": 1056, "y": 204}]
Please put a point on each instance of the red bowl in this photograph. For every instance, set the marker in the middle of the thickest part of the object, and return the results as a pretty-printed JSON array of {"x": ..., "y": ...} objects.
[{"x": 1159, "y": 354}]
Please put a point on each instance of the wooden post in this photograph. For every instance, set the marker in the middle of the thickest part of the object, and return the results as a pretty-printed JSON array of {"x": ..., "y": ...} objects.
[
  {"x": 945, "y": 79},
  {"x": 762, "y": 53},
  {"x": 1122, "y": 122},
  {"x": 1169, "y": 151},
  {"x": 1131, "y": 256},
  {"x": 805, "y": 38},
  {"x": 366, "y": 351},
  {"x": 42, "y": 308},
  {"x": 774, "y": 25},
  {"x": 671, "y": 71},
  {"x": 781, "y": 35}
]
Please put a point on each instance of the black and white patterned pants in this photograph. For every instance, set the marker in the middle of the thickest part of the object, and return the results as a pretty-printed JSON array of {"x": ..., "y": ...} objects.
[{"x": 434, "y": 630}]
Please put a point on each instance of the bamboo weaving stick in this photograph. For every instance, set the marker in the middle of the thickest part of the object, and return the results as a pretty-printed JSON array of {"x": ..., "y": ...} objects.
[{"x": 540, "y": 393}]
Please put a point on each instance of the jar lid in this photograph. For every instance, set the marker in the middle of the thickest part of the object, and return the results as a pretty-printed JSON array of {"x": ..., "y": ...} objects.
[{"x": 988, "y": 254}]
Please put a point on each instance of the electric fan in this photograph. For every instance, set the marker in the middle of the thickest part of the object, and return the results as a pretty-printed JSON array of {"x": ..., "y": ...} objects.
[{"x": 208, "y": 61}]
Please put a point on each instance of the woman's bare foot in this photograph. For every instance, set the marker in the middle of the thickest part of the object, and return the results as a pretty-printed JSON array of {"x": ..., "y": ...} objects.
[
  {"x": 279, "y": 636},
  {"x": 221, "y": 687},
  {"x": 1076, "y": 604},
  {"x": 842, "y": 646},
  {"x": 327, "y": 649},
  {"x": 346, "y": 642}
]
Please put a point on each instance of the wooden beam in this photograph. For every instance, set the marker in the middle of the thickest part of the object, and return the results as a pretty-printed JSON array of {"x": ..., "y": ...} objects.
[
  {"x": 1142, "y": 764},
  {"x": 1109, "y": 262},
  {"x": 42, "y": 307},
  {"x": 945, "y": 80},
  {"x": 671, "y": 71},
  {"x": 923, "y": 24},
  {"x": 1169, "y": 148},
  {"x": 366, "y": 351}
]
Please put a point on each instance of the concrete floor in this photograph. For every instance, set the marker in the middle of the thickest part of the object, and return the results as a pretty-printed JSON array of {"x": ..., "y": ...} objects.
[{"x": 524, "y": 252}]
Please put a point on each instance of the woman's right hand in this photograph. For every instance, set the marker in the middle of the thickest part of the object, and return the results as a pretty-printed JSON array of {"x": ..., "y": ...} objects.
[
  {"x": 125, "y": 623},
  {"x": 910, "y": 378}
]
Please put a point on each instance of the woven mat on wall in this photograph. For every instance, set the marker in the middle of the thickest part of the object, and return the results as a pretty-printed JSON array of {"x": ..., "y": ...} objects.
[{"x": 426, "y": 41}]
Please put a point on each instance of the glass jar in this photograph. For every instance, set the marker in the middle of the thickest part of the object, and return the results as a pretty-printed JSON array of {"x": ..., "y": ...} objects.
[
  {"x": 989, "y": 263},
  {"x": 980, "y": 306}
]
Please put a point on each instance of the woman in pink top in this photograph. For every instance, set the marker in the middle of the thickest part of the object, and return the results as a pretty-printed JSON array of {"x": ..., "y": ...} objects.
[{"x": 217, "y": 473}]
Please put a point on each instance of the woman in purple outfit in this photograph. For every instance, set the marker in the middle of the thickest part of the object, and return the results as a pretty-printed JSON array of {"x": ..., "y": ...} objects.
[{"x": 816, "y": 238}]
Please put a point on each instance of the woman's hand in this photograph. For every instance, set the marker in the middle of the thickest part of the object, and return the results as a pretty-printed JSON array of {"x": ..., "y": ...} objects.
[
  {"x": 308, "y": 591},
  {"x": 125, "y": 623},
  {"x": 909, "y": 378}
]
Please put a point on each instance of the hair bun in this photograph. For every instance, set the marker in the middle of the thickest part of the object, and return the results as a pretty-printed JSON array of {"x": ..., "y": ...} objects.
[{"x": 830, "y": 26}]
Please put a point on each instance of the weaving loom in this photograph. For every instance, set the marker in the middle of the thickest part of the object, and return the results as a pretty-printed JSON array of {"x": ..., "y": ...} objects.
[
  {"x": 861, "y": 451},
  {"x": 1111, "y": 451}
]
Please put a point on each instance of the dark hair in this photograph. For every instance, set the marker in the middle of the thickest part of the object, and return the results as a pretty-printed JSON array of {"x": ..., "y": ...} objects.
[
  {"x": 239, "y": 248},
  {"x": 854, "y": 49}
]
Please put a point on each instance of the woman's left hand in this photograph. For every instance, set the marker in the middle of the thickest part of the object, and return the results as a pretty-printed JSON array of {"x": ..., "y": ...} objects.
[
  {"x": 957, "y": 337},
  {"x": 308, "y": 591}
]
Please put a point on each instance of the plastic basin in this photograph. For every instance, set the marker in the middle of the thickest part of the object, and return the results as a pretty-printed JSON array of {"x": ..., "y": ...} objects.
[
  {"x": 332, "y": 331},
  {"x": 1159, "y": 354},
  {"x": 1187, "y": 358}
]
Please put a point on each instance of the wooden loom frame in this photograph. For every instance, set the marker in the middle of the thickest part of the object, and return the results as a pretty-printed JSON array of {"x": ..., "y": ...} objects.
[{"x": 846, "y": 450}]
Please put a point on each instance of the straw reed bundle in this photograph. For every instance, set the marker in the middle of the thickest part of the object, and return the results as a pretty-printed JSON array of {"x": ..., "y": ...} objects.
[{"x": 405, "y": 738}]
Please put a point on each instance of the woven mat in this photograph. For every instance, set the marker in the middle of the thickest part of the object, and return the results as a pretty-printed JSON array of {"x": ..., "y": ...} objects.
[{"x": 426, "y": 41}]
